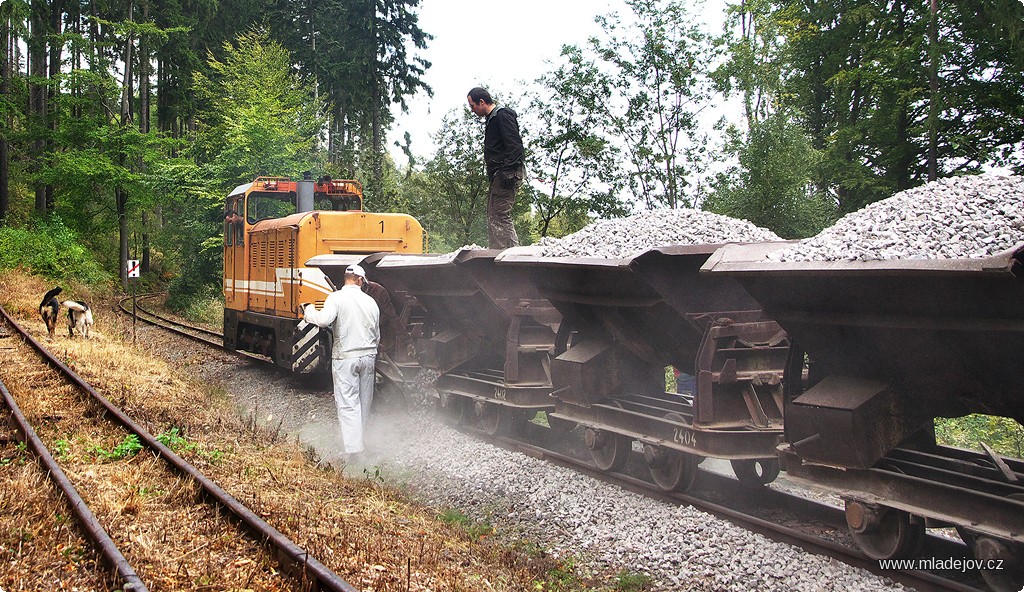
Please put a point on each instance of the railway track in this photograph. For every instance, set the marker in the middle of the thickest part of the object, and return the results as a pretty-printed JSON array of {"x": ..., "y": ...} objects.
[
  {"x": 149, "y": 514},
  {"x": 131, "y": 306},
  {"x": 820, "y": 524},
  {"x": 811, "y": 525}
]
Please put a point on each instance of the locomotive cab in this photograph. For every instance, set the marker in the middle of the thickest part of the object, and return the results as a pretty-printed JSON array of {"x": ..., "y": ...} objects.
[{"x": 272, "y": 226}]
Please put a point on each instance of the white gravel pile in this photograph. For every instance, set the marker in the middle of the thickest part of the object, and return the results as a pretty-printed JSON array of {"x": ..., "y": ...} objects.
[
  {"x": 606, "y": 528},
  {"x": 954, "y": 218},
  {"x": 453, "y": 254},
  {"x": 625, "y": 237}
]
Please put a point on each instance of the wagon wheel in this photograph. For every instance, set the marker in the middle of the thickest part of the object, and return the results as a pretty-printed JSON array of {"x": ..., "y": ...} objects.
[
  {"x": 454, "y": 409},
  {"x": 498, "y": 420},
  {"x": 1008, "y": 555},
  {"x": 756, "y": 472},
  {"x": 882, "y": 532},
  {"x": 671, "y": 469},
  {"x": 609, "y": 450}
]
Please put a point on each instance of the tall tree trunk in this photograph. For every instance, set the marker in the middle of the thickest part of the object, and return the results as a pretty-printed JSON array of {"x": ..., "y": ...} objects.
[
  {"x": 5, "y": 73},
  {"x": 37, "y": 96},
  {"x": 379, "y": 104},
  {"x": 120, "y": 193},
  {"x": 933, "y": 99},
  {"x": 144, "y": 123},
  {"x": 55, "y": 53}
]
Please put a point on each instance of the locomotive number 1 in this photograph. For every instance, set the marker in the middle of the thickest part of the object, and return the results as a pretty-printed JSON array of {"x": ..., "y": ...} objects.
[{"x": 382, "y": 227}]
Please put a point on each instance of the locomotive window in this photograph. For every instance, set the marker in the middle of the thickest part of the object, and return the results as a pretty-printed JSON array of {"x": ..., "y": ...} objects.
[
  {"x": 335, "y": 203},
  {"x": 321, "y": 203},
  {"x": 345, "y": 204},
  {"x": 264, "y": 207},
  {"x": 234, "y": 229},
  {"x": 239, "y": 232}
]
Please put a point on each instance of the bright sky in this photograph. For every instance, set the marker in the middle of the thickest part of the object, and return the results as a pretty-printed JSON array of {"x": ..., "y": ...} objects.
[{"x": 495, "y": 43}]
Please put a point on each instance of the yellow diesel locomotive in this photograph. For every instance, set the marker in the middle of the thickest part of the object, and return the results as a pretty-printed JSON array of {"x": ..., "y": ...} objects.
[{"x": 272, "y": 226}]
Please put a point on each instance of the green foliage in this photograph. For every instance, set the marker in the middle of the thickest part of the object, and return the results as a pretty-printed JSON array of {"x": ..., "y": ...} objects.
[
  {"x": 173, "y": 439},
  {"x": 1003, "y": 434},
  {"x": 454, "y": 185},
  {"x": 61, "y": 448},
  {"x": 51, "y": 249},
  {"x": 561, "y": 578},
  {"x": 771, "y": 185},
  {"x": 128, "y": 447},
  {"x": 473, "y": 528},
  {"x": 258, "y": 116},
  {"x": 627, "y": 581},
  {"x": 374, "y": 474},
  {"x": 643, "y": 82},
  {"x": 196, "y": 203},
  {"x": 572, "y": 163}
]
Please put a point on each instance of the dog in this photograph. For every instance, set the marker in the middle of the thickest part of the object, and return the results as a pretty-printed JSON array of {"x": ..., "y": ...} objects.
[
  {"x": 79, "y": 317},
  {"x": 49, "y": 308}
]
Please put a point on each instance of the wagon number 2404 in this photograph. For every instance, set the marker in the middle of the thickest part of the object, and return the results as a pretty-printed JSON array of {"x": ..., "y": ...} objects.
[{"x": 685, "y": 437}]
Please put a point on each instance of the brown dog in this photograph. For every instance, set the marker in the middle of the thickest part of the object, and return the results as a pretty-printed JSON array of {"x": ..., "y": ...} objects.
[{"x": 49, "y": 309}]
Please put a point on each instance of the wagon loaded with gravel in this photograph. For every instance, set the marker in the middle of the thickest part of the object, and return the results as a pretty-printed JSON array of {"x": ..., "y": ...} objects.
[
  {"x": 485, "y": 333},
  {"x": 625, "y": 319},
  {"x": 909, "y": 310}
]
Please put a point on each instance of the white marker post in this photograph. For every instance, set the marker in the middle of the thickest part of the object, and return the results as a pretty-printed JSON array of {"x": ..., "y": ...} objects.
[{"x": 133, "y": 272}]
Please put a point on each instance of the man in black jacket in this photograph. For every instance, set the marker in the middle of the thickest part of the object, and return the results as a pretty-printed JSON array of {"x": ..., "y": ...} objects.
[{"x": 503, "y": 155}]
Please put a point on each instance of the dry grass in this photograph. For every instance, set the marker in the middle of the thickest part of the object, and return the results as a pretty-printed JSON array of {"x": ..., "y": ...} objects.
[{"x": 368, "y": 533}]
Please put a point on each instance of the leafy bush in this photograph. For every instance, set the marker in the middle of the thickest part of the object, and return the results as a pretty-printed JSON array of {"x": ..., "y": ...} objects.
[
  {"x": 1003, "y": 434},
  {"x": 51, "y": 249}
]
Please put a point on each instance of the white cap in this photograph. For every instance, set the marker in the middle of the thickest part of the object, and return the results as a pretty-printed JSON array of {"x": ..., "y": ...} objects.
[{"x": 356, "y": 270}]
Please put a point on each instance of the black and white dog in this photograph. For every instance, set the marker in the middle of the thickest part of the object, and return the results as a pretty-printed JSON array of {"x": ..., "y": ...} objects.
[
  {"x": 49, "y": 308},
  {"x": 79, "y": 317}
]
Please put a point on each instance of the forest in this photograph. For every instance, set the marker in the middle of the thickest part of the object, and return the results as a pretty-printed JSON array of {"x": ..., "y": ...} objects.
[{"x": 126, "y": 122}]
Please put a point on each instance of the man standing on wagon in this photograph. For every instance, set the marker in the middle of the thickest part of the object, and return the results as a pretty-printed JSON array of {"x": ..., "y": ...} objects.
[
  {"x": 506, "y": 169},
  {"x": 355, "y": 317}
]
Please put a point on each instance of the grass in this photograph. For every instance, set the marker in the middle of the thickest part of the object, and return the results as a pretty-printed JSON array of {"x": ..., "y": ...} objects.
[
  {"x": 627, "y": 581},
  {"x": 127, "y": 448},
  {"x": 471, "y": 527},
  {"x": 366, "y": 530}
]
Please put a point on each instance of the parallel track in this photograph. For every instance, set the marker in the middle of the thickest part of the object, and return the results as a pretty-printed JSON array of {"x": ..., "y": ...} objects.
[
  {"x": 814, "y": 511},
  {"x": 308, "y": 572},
  {"x": 130, "y": 307}
]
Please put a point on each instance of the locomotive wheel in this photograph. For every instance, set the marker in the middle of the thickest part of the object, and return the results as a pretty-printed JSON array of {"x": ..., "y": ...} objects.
[
  {"x": 498, "y": 420},
  {"x": 672, "y": 470},
  {"x": 756, "y": 472},
  {"x": 884, "y": 533},
  {"x": 609, "y": 450},
  {"x": 1008, "y": 555},
  {"x": 454, "y": 409}
]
